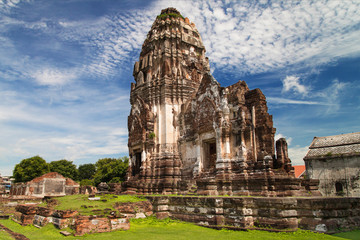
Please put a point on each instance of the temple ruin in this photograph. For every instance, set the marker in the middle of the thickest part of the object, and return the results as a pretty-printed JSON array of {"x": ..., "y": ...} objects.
[
  {"x": 189, "y": 134},
  {"x": 50, "y": 184}
]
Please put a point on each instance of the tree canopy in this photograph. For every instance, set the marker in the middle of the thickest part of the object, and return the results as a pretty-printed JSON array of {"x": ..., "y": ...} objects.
[
  {"x": 30, "y": 168},
  {"x": 111, "y": 170},
  {"x": 65, "y": 168},
  {"x": 104, "y": 170},
  {"x": 86, "y": 171}
]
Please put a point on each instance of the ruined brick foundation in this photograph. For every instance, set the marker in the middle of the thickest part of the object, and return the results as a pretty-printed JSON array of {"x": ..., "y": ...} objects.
[
  {"x": 119, "y": 219},
  {"x": 275, "y": 214}
]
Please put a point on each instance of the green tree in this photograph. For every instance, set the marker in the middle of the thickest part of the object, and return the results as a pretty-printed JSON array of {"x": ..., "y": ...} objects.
[
  {"x": 87, "y": 182},
  {"x": 111, "y": 170},
  {"x": 86, "y": 171},
  {"x": 65, "y": 168},
  {"x": 30, "y": 168}
]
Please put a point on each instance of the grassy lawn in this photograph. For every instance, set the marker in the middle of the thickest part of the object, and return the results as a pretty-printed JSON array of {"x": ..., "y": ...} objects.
[
  {"x": 87, "y": 207},
  {"x": 4, "y": 235},
  {"x": 151, "y": 228},
  {"x": 354, "y": 235}
]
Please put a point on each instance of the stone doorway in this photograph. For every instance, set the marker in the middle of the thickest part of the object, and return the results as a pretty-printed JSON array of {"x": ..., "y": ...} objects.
[
  {"x": 209, "y": 159},
  {"x": 339, "y": 188},
  {"x": 137, "y": 166}
]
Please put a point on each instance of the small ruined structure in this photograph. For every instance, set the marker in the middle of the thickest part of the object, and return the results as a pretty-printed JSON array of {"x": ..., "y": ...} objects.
[
  {"x": 103, "y": 187},
  {"x": 189, "y": 134},
  {"x": 335, "y": 161},
  {"x": 88, "y": 190},
  {"x": 28, "y": 214},
  {"x": 49, "y": 184}
]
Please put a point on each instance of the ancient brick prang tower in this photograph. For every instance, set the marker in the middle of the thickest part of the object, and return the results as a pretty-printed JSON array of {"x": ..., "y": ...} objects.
[
  {"x": 171, "y": 66},
  {"x": 187, "y": 133}
]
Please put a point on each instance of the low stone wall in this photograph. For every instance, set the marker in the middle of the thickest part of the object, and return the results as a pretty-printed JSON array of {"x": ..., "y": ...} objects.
[
  {"x": 31, "y": 214},
  {"x": 315, "y": 214},
  {"x": 40, "y": 216},
  {"x": 135, "y": 209}
]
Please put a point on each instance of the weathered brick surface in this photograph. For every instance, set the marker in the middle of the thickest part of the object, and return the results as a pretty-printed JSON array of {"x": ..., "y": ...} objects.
[
  {"x": 314, "y": 214},
  {"x": 136, "y": 207},
  {"x": 81, "y": 224},
  {"x": 119, "y": 223},
  {"x": 43, "y": 211},
  {"x": 26, "y": 209},
  {"x": 64, "y": 213},
  {"x": 41, "y": 220},
  {"x": 90, "y": 224},
  {"x": 60, "y": 223},
  {"x": 26, "y": 219},
  {"x": 115, "y": 188},
  {"x": 90, "y": 190}
]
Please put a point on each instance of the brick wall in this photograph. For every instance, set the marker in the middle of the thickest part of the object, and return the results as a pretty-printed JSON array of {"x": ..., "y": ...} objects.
[{"x": 316, "y": 214}]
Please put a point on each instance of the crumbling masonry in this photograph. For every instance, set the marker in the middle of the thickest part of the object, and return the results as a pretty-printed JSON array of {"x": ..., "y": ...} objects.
[{"x": 188, "y": 134}]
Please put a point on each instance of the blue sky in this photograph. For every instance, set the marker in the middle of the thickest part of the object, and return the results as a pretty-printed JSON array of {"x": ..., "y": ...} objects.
[{"x": 66, "y": 69}]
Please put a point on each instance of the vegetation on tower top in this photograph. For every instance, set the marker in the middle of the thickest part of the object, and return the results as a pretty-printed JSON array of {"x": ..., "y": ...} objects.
[{"x": 163, "y": 16}]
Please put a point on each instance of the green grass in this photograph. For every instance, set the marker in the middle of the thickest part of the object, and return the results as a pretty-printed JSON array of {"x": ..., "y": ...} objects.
[
  {"x": 355, "y": 235},
  {"x": 78, "y": 202},
  {"x": 4, "y": 235},
  {"x": 151, "y": 228}
]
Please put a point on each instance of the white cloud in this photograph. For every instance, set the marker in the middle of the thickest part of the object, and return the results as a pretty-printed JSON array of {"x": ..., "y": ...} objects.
[
  {"x": 279, "y": 135},
  {"x": 329, "y": 96},
  {"x": 296, "y": 154},
  {"x": 332, "y": 95},
  {"x": 7, "y": 5},
  {"x": 257, "y": 38},
  {"x": 73, "y": 122},
  {"x": 293, "y": 83},
  {"x": 247, "y": 36},
  {"x": 53, "y": 77},
  {"x": 278, "y": 100}
]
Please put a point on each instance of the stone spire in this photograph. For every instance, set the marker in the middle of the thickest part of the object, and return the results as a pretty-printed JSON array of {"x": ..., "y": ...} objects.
[
  {"x": 171, "y": 66},
  {"x": 173, "y": 50}
]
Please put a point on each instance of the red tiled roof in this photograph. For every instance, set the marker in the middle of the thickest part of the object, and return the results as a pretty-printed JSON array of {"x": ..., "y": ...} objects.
[
  {"x": 300, "y": 169},
  {"x": 47, "y": 175}
]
